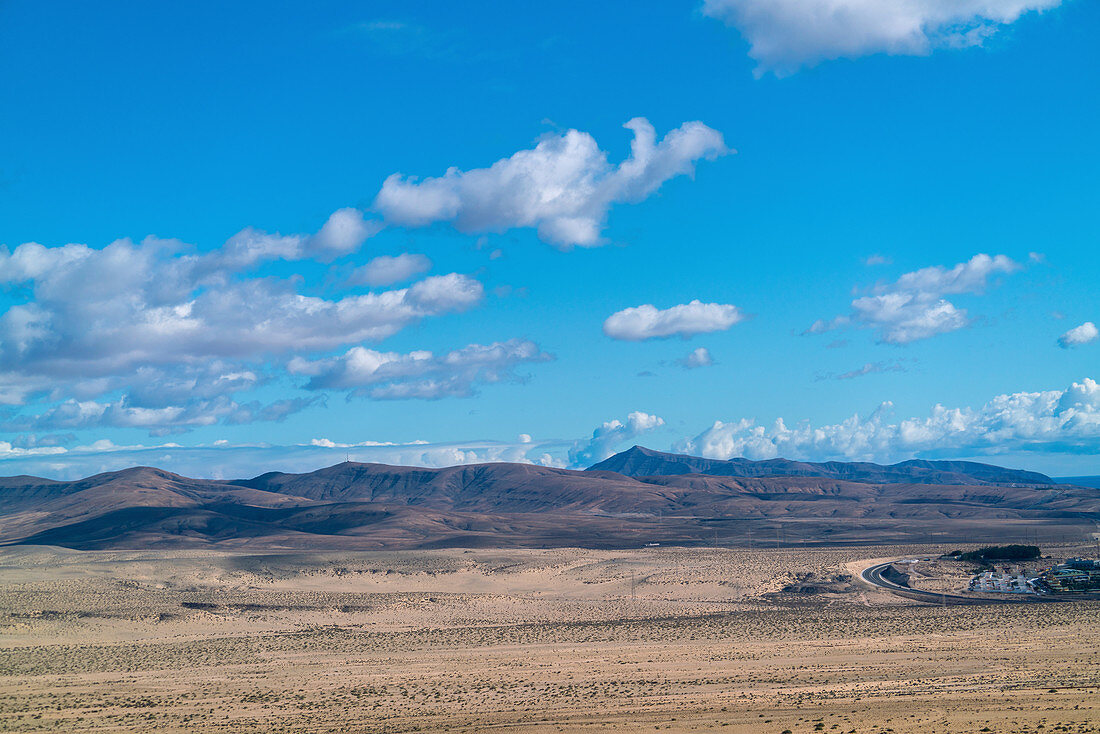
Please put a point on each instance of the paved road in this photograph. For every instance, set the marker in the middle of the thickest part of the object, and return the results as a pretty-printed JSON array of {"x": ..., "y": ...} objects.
[{"x": 873, "y": 576}]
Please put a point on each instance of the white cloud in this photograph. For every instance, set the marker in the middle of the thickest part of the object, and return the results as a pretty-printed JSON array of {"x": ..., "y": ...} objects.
[
  {"x": 563, "y": 187},
  {"x": 967, "y": 277},
  {"x": 872, "y": 260},
  {"x": 342, "y": 233},
  {"x": 420, "y": 374},
  {"x": 268, "y": 317},
  {"x": 699, "y": 357},
  {"x": 250, "y": 247},
  {"x": 786, "y": 35},
  {"x": 1078, "y": 335},
  {"x": 1066, "y": 421},
  {"x": 913, "y": 307},
  {"x": 687, "y": 319},
  {"x": 609, "y": 435},
  {"x": 386, "y": 270}
]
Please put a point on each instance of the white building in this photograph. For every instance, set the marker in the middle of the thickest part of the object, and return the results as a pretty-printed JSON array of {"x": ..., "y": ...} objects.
[{"x": 1006, "y": 583}]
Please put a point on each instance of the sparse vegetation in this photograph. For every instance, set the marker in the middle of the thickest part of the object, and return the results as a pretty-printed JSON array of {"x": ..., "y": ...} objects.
[
  {"x": 998, "y": 553},
  {"x": 532, "y": 641}
]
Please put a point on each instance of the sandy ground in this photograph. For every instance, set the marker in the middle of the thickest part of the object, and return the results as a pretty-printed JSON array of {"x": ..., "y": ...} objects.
[{"x": 539, "y": 640}]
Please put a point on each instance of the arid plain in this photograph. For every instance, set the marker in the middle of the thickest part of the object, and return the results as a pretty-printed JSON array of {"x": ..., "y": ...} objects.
[{"x": 666, "y": 639}]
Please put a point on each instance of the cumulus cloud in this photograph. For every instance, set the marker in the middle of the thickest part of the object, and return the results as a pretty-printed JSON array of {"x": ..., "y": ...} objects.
[
  {"x": 563, "y": 187},
  {"x": 609, "y": 435},
  {"x": 1066, "y": 421},
  {"x": 386, "y": 270},
  {"x": 913, "y": 307},
  {"x": 786, "y": 35},
  {"x": 685, "y": 320},
  {"x": 420, "y": 374},
  {"x": 342, "y": 234},
  {"x": 1078, "y": 335},
  {"x": 696, "y": 358},
  {"x": 344, "y": 231}
]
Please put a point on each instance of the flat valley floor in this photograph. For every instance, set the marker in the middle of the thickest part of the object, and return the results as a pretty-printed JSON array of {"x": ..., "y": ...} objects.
[{"x": 651, "y": 639}]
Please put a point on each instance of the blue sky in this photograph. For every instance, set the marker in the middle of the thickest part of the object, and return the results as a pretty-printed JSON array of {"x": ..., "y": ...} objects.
[{"x": 917, "y": 182}]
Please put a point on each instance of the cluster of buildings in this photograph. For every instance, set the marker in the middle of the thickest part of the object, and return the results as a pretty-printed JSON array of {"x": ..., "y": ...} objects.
[{"x": 1075, "y": 575}]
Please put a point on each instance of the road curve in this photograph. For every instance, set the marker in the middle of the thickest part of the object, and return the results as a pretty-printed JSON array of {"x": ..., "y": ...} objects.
[{"x": 872, "y": 575}]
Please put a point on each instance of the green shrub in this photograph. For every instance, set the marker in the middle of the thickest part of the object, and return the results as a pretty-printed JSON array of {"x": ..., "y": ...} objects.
[{"x": 1002, "y": 553}]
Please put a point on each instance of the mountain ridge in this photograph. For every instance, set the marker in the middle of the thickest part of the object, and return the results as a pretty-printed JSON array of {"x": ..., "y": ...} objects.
[
  {"x": 352, "y": 505},
  {"x": 639, "y": 461}
]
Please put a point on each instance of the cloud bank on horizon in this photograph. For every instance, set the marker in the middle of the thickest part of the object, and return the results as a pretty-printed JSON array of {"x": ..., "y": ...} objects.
[
  {"x": 787, "y": 35},
  {"x": 1063, "y": 420},
  {"x": 1066, "y": 421}
]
